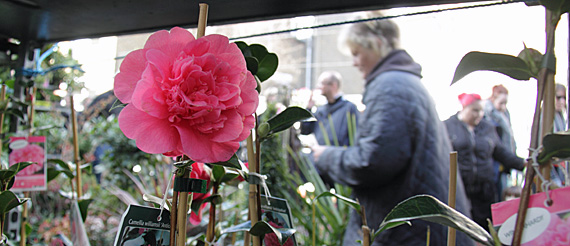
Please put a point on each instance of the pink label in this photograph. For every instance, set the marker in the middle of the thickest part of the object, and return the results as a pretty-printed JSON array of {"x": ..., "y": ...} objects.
[
  {"x": 544, "y": 225},
  {"x": 29, "y": 149}
]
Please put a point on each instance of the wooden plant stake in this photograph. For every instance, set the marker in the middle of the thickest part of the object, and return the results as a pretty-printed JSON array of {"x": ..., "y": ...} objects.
[
  {"x": 545, "y": 95},
  {"x": 75, "y": 149},
  {"x": 365, "y": 229},
  {"x": 25, "y": 211},
  {"x": 452, "y": 193},
  {"x": 253, "y": 189}
]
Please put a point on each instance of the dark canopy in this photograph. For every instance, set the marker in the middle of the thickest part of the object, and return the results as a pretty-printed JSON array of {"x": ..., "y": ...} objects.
[{"x": 41, "y": 21}]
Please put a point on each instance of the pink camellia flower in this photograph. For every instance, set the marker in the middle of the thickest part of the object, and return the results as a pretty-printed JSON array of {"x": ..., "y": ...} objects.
[
  {"x": 187, "y": 96},
  {"x": 30, "y": 153},
  {"x": 199, "y": 172}
]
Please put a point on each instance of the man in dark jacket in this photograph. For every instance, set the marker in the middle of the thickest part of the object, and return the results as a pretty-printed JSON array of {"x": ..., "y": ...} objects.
[
  {"x": 477, "y": 144},
  {"x": 335, "y": 118},
  {"x": 402, "y": 147}
]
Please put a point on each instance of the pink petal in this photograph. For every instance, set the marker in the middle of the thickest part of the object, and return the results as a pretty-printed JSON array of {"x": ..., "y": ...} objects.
[
  {"x": 233, "y": 126},
  {"x": 172, "y": 44},
  {"x": 152, "y": 135},
  {"x": 248, "y": 124},
  {"x": 131, "y": 69},
  {"x": 218, "y": 43},
  {"x": 146, "y": 94},
  {"x": 249, "y": 95},
  {"x": 201, "y": 149}
]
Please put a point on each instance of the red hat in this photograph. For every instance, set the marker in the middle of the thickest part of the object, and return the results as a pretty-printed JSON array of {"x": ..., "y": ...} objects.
[{"x": 467, "y": 99}]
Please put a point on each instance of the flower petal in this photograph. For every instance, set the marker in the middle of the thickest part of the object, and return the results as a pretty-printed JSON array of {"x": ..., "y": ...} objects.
[
  {"x": 152, "y": 135},
  {"x": 131, "y": 69},
  {"x": 171, "y": 43},
  {"x": 201, "y": 149}
]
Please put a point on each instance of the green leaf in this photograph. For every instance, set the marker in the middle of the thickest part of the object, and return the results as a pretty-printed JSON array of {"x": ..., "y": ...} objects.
[
  {"x": 557, "y": 6},
  {"x": 354, "y": 204},
  {"x": 267, "y": 66},
  {"x": 8, "y": 201},
  {"x": 28, "y": 229},
  {"x": 511, "y": 66},
  {"x": 287, "y": 118},
  {"x": 83, "y": 207},
  {"x": 555, "y": 145},
  {"x": 426, "y": 207},
  {"x": 245, "y": 226},
  {"x": 215, "y": 199},
  {"x": 261, "y": 228},
  {"x": 252, "y": 64},
  {"x": 60, "y": 167},
  {"x": 230, "y": 175},
  {"x": 52, "y": 173},
  {"x": 232, "y": 162},
  {"x": 259, "y": 61},
  {"x": 6, "y": 175},
  {"x": 218, "y": 173},
  {"x": 17, "y": 167}
]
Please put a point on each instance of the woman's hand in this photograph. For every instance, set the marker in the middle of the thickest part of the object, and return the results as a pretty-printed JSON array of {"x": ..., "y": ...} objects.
[{"x": 317, "y": 151}]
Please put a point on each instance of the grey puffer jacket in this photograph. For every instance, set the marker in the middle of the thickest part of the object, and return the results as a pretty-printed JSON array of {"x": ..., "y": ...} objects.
[{"x": 402, "y": 150}]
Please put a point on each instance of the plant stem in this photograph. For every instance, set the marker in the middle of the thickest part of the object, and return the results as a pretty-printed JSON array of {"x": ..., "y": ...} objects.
[
  {"x": 173, "y": 217},
  {"x": 365, "y": 229},
  {"x": 545, "y": 94},
  {"x": 314, "y": 223},
  {"x": 2, "y": 97},
  {"x": 212, "y": 223}
]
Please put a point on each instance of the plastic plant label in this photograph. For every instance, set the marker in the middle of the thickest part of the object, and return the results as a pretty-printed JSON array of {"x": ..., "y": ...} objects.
[
  {"x": 29, "y": 149},
  {"x": 276, "y": 212},
  {"x": 544, "y": 224},
  {"x": 140, "y": 226}
]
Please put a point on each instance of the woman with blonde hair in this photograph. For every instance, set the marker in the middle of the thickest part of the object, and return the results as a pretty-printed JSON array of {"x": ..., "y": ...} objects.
[{"x": 402, "y": 147}]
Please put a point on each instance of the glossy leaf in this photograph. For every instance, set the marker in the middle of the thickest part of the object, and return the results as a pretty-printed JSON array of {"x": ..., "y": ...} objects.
[
  {"x": 218, "y": 172},
  {"x": 511, "y": 66},
  {"x": 7, "y": 174},
  {"x": 558, "y": 6},
  {"x": 243, "y": 227},
  {"x": 17, "y": 167},
  {"x": 555, "y": 145},
  {"x": 287, "y": 118},
  {"x": 8, "y": 201},
  {"x": 83, "y": 207},
  {"x": 354, "y": 204},
  {"x": 260, "y": 62},
  {"x": 232, "y": 162},
  {"x": 426, "y": 207},
  {"x": 60, "y": 167},
  {"x": 261, "y": 228},
  {"x": 215, "y": 199},
  {"x": 267, "y": 66},
  {"x": 230, "y": 175}
]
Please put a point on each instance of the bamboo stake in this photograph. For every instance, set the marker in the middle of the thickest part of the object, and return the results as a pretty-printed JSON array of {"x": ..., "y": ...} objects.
[
  {"x": 25, "y": 210},
  {"x": 365, "y": 229},
  {"x": 2, "y": 97},
  {"x": 173, "y": 217},
  {"x": 546, "y": 96},
  {"x": 75, "y": 148},
  {"x": 452, "y": 193},
  {"x": 183, "y": 198},
  {"x": 253, "y": 212}
]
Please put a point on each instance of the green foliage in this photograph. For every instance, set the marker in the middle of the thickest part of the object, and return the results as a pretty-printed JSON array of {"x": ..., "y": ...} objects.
[
  {"x": 558, "y": 7},
  {"x": 8, "y": 201},
  {"x": 555, "y": 145},
  {"x": 287, "y": 118},
  {"x": 261, "y": 228},
  {"x": 426, "y": 207},
  {"x": 511, "y": 66},
  {"x": 260, "y": 62}
]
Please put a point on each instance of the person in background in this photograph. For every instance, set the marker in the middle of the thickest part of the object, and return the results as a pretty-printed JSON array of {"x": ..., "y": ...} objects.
[
  {"x": 560, "y": 116},
  {"x": 497, "y": 113},
  {"x": 401, "y": 148},
  {"x": 477, "y": 144},
  {"x": 332, "y": 125},
  {"x": 560, "y": 124}
]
